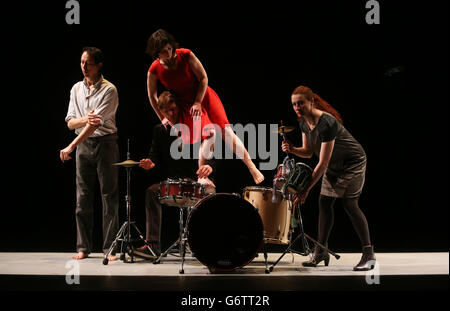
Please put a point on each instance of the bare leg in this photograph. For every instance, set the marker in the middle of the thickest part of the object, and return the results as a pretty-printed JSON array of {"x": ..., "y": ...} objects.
[
  {"x": 239, "y": 149},
  {"x": 206, "y": 148},
  {"x": 206, "y": 153}
]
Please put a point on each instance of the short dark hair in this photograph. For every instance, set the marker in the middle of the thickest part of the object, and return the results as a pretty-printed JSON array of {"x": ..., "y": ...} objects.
[
  {"x": 157, "y": 41},
  {"x": 165, "y": 98},
  {"x": 94, "y": 52}
]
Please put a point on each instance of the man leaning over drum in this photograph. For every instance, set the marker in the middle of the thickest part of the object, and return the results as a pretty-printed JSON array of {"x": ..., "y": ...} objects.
[{"x": 163, "y": 166}]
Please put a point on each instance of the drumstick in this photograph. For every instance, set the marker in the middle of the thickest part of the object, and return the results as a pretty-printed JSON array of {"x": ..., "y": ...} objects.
[
  {"x": 282, "y": 133},
  {"x": 284, "y": 137}
]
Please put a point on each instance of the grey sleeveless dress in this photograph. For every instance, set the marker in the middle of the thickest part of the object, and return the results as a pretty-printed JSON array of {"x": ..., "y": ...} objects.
[{"x": 345, "y": 174}]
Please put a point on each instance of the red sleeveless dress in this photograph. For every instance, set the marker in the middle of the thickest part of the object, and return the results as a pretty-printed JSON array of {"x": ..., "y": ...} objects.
[{"x": 183, "y": 82}]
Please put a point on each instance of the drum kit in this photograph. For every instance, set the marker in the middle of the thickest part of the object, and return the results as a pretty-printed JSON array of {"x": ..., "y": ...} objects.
[{"x": 225, "y": 231}]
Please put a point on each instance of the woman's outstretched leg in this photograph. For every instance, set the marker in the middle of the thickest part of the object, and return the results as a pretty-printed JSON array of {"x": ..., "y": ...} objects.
[
  {"x": 206, "y": 153},
  {"x": 235, "y": 144}
]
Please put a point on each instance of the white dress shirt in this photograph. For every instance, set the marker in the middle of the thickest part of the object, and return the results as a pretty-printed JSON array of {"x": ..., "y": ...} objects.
[{"x": 104, "y": 100}]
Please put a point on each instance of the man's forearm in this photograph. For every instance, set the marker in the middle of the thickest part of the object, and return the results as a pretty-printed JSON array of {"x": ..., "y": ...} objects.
[
  {"x": 85, "y": 133},
  {"x": 76, "y": 123}
]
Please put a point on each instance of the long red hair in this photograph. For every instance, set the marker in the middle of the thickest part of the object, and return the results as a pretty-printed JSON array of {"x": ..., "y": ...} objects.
[{"x": 319, "y": 103}]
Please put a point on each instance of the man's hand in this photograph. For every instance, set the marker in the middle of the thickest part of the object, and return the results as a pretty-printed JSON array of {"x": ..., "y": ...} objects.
[
  {"x": 204, "y": 171},
  {"x": 146, "y": 164},
  {"x": 166, "y": 122},
  {"x": 94, "y": 119},
  {"x": 206, "y": 182},
  {"x": 65, "y": 153}
]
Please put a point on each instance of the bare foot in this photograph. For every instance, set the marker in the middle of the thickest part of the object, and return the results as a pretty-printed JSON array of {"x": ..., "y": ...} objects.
[
  {"x": 257, "y": 176},
  {"x": 112, "y": 258},
  {"x": 80, "y": 256}
]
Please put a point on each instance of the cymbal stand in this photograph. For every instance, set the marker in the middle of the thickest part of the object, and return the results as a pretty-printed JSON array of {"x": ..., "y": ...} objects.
[
  {"x": 304, "y": 238},
  {"x": 288, "y": 164},
  {"x": 124, "y": 234}
]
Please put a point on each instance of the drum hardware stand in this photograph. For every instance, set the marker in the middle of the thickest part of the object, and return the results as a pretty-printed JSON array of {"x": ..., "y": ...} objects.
[
  {"x": 124, "y": 234},
  {"x": 181, "y": 241},
  {"x": 183, "y": 251},
  {"x": 266, "y": 262},
  {"x": 287, "y": 164},
  {"x": 304, "y": 238}
]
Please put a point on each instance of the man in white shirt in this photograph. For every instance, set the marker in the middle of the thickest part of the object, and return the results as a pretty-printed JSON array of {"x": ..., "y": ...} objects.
[{"x": 92, "y": 114}]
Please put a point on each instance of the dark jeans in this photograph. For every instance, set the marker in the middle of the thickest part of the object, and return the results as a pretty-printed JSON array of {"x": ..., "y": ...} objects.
[
  {"x": 94, "y": 159},
  {"x": 153, "y": 212}
]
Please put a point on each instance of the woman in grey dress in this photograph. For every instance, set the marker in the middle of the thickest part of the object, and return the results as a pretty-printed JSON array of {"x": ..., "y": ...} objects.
[{"x": 342, "y": 163}]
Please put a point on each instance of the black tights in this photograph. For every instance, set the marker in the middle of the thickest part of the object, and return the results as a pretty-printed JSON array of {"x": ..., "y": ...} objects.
[{"x": 326, "y": 218}]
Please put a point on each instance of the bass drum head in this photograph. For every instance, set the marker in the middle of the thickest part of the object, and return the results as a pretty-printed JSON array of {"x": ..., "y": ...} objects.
[{"x": 224, "y": 232}]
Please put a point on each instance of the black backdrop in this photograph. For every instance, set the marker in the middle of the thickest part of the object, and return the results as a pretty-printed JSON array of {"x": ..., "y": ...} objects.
[{"x": 389, "y": 82}]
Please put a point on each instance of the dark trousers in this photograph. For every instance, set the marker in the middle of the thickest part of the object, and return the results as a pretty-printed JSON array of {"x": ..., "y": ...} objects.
[
  {"x": 94, "y": 159},
  {"x": 153, "y": 212}
]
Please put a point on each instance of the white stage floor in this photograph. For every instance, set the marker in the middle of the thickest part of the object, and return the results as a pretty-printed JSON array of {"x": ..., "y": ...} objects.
[
  {"x": 58, "y": 264},
  {"x": 57, "y": 271},
  {"x": 400, "y": 279}
]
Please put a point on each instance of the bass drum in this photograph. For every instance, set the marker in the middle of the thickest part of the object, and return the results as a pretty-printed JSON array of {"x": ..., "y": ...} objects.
[{"x": 224, "y": 232}]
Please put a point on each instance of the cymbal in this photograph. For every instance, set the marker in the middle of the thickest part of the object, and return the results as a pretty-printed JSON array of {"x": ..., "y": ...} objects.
[
  {"x": 127, "y": 163},
  {"x": 284, "y": 129}
]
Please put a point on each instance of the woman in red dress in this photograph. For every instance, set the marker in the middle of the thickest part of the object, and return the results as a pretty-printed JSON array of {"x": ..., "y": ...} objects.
[{"x": 180, "y": 71}]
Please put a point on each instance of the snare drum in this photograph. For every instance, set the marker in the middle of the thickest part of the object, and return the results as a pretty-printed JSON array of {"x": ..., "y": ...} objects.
[
  {"x": 180, "y": 193},
  {"x": 276, "y": 215},
  {"x": 298, "y": 180}
]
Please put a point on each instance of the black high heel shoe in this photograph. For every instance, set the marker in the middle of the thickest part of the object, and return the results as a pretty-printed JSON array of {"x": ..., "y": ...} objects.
[
  {"x": 318, "y": 256},
  {"x": 367, "y": 261}
]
